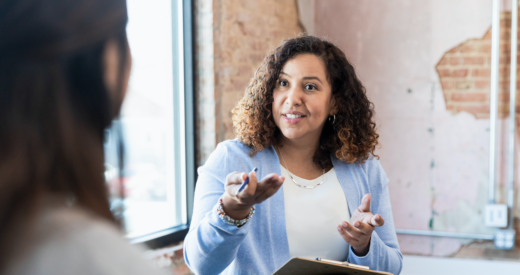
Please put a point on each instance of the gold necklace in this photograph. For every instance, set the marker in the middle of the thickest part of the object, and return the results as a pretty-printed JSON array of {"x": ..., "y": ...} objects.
[{"x": 293, "y": 180}]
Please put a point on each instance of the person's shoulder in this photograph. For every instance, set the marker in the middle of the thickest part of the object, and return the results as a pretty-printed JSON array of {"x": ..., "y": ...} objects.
[
  {"x": 233, "y": 148},
  {"x": 370, "y": 168},
  {"x": 234, "y": 145},
  {"x": 371, "y": 163},
  {"x": 71, "y": 239},
  {"x": 374, "y": 171}
]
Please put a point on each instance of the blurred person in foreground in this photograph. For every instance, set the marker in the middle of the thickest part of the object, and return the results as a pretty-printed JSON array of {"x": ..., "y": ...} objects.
[
  {"x": 306, "y": 123},
  {"x": 64, "y": 69}
]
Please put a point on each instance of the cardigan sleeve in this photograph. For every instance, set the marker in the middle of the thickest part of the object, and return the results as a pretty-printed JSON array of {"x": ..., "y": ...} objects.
[
  {"x": 384, "y": 253},
  {"x": 211, "y": 244}
]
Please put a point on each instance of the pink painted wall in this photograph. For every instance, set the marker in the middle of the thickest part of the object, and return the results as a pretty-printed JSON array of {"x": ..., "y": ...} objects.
[{"x": 437, "y": 162}]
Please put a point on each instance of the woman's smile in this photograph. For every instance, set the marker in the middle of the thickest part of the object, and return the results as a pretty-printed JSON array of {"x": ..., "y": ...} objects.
[{"x": 293, "y": 117}]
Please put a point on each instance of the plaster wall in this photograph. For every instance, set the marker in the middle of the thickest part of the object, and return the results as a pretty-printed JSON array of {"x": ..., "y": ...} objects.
[{"x": 437, "y": 161}]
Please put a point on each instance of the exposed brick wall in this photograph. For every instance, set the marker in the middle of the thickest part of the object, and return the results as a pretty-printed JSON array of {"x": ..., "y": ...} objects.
[
  {"x": 245, "y": 31},
  {"x": 242, "y": 33},
  {"x": 465, "y": 73}
]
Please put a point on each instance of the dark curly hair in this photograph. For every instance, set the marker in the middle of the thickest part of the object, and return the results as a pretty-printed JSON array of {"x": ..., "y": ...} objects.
[{"x": 352, "y": 137}]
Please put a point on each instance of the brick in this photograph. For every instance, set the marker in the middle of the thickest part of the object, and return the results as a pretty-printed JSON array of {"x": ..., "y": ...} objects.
[
  {"x": 473, "y": 60},
  {"x": 469, "y": 97},
  {"x": 505, "y": 33},
  {"x": 474, "y": 109},
  {"x": 505, "y": 59},
  {"x": 256, "y": 45},
  {"x": 444, "y": 73},
  {"x": 505, "y": 21},
  {"x": 447, "y": 85},
  {"x": 487, "y": 36},
  {"x": 455, "y": 61},
  {"x": 246, "y": 71},
  {"x": 485, "y": 48},
  {"x": 481, "y": 84},
  {"x": 481, "y": 72},
  {"x": 463, "y": 85},
  {"x": 470, "y": 252},
  {"x": 482, "y": 115},
  {"x": 460, "y": 73},
  {"x": 240, "y": 84},
  {"x": 504, "y": 84},
  {"x": 503, "y": 71},
  {"x": 467, "y": 48},
  {"x": 505, "y": 46},
  {"x": 503, "y": 97},
  {"x": 503, "y": 110},
  {"x": 255, "y": 58}
]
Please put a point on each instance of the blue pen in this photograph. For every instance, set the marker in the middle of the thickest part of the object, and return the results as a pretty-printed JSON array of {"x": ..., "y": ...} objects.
[{"x": 243, "y": 185}]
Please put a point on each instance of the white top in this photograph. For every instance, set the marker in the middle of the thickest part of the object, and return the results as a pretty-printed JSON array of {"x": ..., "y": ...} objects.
[{"x": 312, "y": 216}]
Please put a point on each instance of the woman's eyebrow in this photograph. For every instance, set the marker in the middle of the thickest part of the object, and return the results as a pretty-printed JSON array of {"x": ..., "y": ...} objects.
[
  {"x": 313, "y": 77},
  {"x": 307, "y": 77}
]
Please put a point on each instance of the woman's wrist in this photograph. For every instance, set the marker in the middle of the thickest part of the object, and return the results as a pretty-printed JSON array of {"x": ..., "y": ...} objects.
[
  {"x": 361, "y": 251},
  {"x": 229, "y": 220},
  {"x": 234, "y": 209}
]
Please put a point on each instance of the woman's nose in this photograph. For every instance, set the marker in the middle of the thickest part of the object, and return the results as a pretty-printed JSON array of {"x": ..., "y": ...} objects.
[{"x": 295, "y": 96}]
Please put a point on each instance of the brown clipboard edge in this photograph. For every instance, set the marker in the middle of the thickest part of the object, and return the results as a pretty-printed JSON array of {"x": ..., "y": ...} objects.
[{"x": 322, "y": 262}]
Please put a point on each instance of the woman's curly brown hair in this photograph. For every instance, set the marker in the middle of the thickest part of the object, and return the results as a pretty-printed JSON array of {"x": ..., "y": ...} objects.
[{"x": 352, "y": 137}]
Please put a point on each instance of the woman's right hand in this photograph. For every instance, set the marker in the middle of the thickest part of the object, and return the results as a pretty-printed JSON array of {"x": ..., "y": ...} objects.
[{"x": 238, "y": 207}]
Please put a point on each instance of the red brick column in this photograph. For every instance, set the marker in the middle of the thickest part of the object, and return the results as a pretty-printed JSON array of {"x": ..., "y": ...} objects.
[{"x": 232, "y": 39}]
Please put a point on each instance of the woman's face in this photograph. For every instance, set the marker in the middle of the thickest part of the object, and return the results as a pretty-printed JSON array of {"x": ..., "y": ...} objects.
[{"x": 302, "y": 98}]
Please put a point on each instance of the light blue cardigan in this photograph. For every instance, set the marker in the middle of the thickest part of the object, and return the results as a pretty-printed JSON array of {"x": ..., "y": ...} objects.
[{"x": 261, "y": 246}]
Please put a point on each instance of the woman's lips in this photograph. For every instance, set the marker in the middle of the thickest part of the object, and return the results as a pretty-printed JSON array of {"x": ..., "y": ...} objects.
[{"x": 292, "y": 120}]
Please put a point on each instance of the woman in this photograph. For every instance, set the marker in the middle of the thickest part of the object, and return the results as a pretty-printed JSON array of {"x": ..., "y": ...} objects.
[
  {"x": 64, "y": 69},
  {"x": 304, "y": 122}
]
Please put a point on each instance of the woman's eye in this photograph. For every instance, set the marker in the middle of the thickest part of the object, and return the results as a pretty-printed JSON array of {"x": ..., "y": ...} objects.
[
  {"x": 284, "y": 83},
  {"x": 310, "y": 87}
]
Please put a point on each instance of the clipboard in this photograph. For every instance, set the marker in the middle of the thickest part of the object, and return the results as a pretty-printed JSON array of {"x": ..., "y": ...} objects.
[{"x": 303, "y": 266}]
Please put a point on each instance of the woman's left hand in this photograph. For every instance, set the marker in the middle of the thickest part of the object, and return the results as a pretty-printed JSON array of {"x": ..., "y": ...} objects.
[{"x": 359, "y": 231}]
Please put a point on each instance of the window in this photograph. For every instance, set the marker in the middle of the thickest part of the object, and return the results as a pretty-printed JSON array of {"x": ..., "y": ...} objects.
[{"x": 156, "y": 122}]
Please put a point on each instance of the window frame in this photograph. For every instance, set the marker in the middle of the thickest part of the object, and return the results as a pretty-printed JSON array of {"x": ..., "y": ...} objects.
[{"x": 184, "y": 121}]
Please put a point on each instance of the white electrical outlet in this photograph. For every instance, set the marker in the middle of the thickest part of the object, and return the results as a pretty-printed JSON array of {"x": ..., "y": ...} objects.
[
  {"x": 505, "y": 239},
  {"x": 496, "y": 215}
]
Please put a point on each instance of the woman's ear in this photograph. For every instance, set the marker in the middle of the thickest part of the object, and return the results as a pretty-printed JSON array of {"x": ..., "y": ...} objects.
[
  {"x": 112, "y": 77},
  {"x": 333, "y": 106},
  {"x": 111, "y": 63}
]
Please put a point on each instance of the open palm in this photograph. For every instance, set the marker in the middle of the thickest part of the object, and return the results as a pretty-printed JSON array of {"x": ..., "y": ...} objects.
[
  {"x": 364, "y": 215},
  {"x": 358, "y": 232}
]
